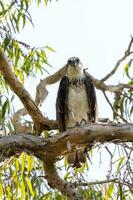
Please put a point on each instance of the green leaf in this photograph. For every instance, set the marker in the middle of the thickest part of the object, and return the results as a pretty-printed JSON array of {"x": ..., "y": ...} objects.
[
  {"x": 28, "y": 16},
  {"x": 9, "y": 193},
  {"x": 1, "y": 190},
  {"x": 5, "y": 108},
  {"x": 67, "y": 176},
  {"x": 18, "y": 21},
  {"x": 50, "y": 48},
  {"x": 12, "y": 23},
  {"x": 109, "y": 191},
  {"x": 126, "y": 68},
  {"x": 29, "y": 186},
  {"x": 2, "y": 10},
  {"x": 46, "y": 2},
  {"x": 17, "y": 164},
  {"x": 24, "y": 20},
  {"x": 23, "y": 193},
  {"x": 22, "y": 163},
  {"x": 29, "y": 162},
  {"x": 6, "y": 42},
  {"x": 26, "y": 4},
  {"x": 130, "y": 83},
  {"x": 121, "y": 160}
]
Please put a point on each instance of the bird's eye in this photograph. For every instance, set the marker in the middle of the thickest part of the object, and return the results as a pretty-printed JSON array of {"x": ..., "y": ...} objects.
[
  {"x": 69, "y": 62},
  {"x": 77, "y": 60}
]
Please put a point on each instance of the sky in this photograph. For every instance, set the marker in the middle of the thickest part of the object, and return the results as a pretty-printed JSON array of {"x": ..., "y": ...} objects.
[{"x": 97, "y": 31}]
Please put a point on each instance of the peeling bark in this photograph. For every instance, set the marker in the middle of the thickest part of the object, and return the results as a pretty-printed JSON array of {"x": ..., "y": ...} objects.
[{"x": 53, "y": 148}]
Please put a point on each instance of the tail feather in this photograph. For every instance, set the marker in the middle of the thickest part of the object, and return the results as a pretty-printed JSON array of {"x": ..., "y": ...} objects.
[{"x": 77, "y": 158}]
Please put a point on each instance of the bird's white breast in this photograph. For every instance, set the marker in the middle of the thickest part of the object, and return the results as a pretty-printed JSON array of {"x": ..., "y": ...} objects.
[{"x": 77, "y": 105}]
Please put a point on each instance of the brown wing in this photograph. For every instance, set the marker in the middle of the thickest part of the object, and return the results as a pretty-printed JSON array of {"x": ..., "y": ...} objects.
[
  {"x": 92, "y": 102},
  {"x": 61, "y": 103}
]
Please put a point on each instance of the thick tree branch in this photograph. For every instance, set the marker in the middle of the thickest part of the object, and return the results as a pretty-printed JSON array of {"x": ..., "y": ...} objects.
[{"x": 52, "y": 148}]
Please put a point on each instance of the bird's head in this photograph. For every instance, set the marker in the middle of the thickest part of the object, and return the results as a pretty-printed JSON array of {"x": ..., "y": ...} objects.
[{"x": 74, "y": 68}]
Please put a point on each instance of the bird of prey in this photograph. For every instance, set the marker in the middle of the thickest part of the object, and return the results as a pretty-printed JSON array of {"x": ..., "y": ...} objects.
[{"x": 76, "y": 103}]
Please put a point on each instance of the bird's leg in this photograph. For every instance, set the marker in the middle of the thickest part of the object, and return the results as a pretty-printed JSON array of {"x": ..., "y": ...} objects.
[{"x": 76, "y": 163}]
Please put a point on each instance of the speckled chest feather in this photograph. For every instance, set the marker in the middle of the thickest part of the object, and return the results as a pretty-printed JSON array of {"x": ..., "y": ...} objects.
[{"x": 77, "y": 103}]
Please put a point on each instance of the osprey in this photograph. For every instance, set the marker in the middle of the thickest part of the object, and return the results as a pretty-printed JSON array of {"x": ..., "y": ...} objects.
[{"x": 75, "y": 104}]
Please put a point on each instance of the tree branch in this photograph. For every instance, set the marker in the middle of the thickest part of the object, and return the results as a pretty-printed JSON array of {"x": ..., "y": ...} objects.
[
  {"x": 111, "y": 88},
  {"x": 128, "y": 52},
  {"x": 41, "y": 91},
  {"x": 114, "y": 180},
  {"x": 113, "y": 108},
  {"x": 52, "y": 148},
  {"x": 40, "y": 122},
  {"x": 55, "y": 181}
]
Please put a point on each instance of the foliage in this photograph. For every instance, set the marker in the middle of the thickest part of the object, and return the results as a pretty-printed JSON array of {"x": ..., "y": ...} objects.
[
  {"x": 26, "y": 60},
  {"x": 123, "y": 101},
  {"x": 19, "y": 178},
  {"x": 22, "y": 177}
]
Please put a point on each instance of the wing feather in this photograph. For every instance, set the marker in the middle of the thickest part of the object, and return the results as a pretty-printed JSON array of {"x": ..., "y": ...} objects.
[
  {"x": 92, "y": 101},
  {"x": 61, "y": 103}
]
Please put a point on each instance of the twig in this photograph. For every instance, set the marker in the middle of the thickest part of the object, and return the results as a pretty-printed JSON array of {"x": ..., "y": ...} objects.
[
  {"x": 96, "y": 182},
  {"x": 113, "y": 108},
  {"x": 115, "y": 180},
  {"x": 128, "y": 52}
]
